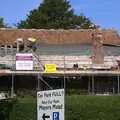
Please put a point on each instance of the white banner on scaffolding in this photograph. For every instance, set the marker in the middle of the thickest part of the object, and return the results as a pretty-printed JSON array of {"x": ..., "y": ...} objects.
[{"x": 24, "y": 61}]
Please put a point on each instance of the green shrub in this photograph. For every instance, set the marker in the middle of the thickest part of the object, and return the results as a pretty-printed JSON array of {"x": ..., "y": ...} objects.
[
  {"x": 21, "y": 93},
  {"x": 7, "y": 109}
]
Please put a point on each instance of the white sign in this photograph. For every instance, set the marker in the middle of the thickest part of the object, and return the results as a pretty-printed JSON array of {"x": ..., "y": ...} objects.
[
  {"x": 50, "y": 105},
  {"x": 24, "y": 61}
]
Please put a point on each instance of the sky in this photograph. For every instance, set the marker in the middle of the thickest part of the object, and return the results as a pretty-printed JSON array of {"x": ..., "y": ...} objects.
[{"x": 102, "y": 12}]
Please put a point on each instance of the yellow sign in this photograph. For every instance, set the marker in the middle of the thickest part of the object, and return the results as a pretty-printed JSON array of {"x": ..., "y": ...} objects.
[
  {"x": 85, "y": 67},
  {"x": 50, "y": 68}
]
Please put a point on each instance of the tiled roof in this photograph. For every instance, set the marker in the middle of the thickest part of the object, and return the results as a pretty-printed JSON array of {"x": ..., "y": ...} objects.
[{"x": 9, "y": 36}]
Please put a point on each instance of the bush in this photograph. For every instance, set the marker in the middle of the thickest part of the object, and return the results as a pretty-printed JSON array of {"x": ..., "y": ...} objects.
[
  {"x": 76, "y": 92},
  {"x": 21, "y": 93},
  {"x": 7, "y": 108}
]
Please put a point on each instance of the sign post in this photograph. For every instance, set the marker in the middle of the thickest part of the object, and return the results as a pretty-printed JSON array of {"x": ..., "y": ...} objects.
[{"x": 50, "y": 105}]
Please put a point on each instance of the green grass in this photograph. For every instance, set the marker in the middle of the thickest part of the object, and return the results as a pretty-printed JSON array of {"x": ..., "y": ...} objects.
[
  {"x": 25, "y": 109},
  {"x": 93, "y": 108},
  {"x": 78, "y": 107},
  {"x": 26, "y": 100}
]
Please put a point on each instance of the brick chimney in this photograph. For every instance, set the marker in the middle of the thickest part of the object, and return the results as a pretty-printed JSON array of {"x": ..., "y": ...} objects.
[{"x": 97, "y": 38}]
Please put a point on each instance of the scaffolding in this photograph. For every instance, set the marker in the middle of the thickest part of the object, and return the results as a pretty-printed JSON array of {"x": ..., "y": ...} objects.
[{"x": 68, "y": 66}]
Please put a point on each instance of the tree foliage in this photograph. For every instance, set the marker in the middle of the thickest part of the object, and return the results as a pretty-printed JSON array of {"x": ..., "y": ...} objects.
[
  {"x": 2, "y": 23},
  {"x": 54, "y": 14}
]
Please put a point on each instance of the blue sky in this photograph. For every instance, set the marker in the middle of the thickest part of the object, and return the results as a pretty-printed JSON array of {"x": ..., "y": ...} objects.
[{"x": 103, "y": 12}]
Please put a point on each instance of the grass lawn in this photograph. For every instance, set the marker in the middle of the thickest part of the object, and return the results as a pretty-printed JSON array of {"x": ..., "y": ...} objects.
[
  {"x": 78, "y": 107},
  {"x": 93, "y": 107}
]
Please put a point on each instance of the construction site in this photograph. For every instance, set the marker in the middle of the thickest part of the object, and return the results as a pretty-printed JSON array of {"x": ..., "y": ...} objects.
[{"x": 85, "y": 60}]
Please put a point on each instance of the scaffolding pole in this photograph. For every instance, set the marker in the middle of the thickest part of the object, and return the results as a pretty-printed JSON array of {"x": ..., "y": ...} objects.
[
  {"x": 64, "y": 76},
  {"x": 118, "y": 81},
  {"x": 38, "y": 82},
  {"x": 118, "y": 84},
  {"x": 93, "y": 84},
  {"x": 89, "y": 85},
  {"x": 12, "y": 87}
]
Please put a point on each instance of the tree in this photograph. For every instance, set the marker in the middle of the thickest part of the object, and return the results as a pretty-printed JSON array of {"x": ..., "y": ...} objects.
[
  {"x": 54, "y": 14},
  {"x": 2, "y": 23}
]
